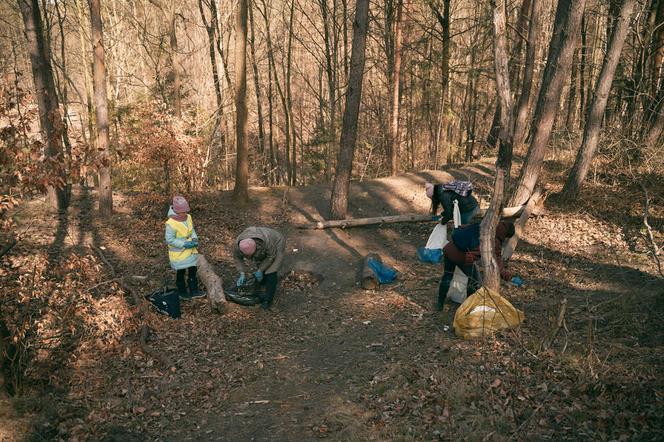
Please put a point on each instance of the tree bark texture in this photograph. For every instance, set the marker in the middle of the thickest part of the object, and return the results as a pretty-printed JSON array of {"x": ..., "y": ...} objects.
[
  {"x": 50, "y": 119},
  {"x": 101, "y": 109},
  {"x": 561, "y": 49},
  {"x": 241, "y": 190},
  {"x": 339, "y": 198},
  {"x": 595, "y": 115},
  {"x": 259, "y": 98},
  {"x": 521, "y": 26},
  {"x": 534, "y": 32},
  {"x": 504, "y": 162},
  {"x": 395, "y": 86}
]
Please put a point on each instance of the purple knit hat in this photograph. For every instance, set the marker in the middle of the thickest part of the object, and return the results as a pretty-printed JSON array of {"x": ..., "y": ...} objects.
[
  {"x": 247, "y": 246},
  {"x": 180, "y": 205}
]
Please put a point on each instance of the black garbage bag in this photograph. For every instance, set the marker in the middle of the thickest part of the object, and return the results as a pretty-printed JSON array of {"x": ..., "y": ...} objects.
[
  {"x": 245, "y": 295},
  {"x": 166, "y": 301}
]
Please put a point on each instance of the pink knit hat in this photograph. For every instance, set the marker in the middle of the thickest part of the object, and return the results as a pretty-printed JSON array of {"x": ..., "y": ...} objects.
[
  {"x": 247, "y": 246},
  {"x": 180, "y": 204},
  {"x": 428, "y": 188}
]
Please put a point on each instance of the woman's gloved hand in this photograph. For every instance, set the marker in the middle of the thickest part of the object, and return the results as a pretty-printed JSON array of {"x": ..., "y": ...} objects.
[
  {"x": 190, "y": 244},
  {"x": 259, "y": 276},
  {"x": 517, "y": 281},
  {"x": 241, "y": 280}
]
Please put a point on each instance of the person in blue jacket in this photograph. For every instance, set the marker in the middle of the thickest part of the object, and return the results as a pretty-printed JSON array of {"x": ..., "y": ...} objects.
[{"x": 182, "y": 241}]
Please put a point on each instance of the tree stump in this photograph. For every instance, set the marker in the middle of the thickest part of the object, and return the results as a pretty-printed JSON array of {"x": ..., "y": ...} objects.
[
  {"x": 369, "y": 279},
  {"x": 213, "y": 286}
]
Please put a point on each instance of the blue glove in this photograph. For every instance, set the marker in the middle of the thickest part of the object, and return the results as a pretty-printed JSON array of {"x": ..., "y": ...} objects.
[
  {"x": 241, "y": 280},
  {"x": 195, "y": 241},
  {"x": 190, "y": 244},
  {"x": 517, "y": 281},
  {"x": 435, "y": 217},
  {"x": 259, "y": 276}
]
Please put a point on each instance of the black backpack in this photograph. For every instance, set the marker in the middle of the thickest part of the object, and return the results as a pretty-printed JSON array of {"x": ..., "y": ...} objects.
[
  {"x": 166, "y": 301},
  {"x": 467, "y": 238}
]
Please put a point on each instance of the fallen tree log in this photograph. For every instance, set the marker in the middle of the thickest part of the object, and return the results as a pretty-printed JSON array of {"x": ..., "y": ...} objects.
[
  {"x": 508, "y": 212},
  {"x": 520, "y": 224},
  {"x": 212, "y": 283},
  {"x": 369, "y": 278}
]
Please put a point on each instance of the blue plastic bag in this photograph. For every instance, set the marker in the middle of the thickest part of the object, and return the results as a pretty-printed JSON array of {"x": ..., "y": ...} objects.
[
  {"x": 384, "y": 273},
  {"x": 430, "y": 255}
]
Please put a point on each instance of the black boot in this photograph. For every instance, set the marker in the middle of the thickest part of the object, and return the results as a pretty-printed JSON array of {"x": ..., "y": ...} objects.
[
  {"x": 193, "y": 284},
  {"x": 179, "y": 283}
]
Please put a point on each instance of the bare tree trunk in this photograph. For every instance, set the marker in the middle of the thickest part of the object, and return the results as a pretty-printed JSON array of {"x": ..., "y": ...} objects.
[
  {"x": 50, "y": 119},
  {"x": 331, "y": 77},
  {"x": 491, "y": 278},
  {"x": 173, "y": 42},
  {"x": 571, "y": 98},
  {"x": 534, "y": 31},
  {"x": 596, "y": 111},
  {"x": 444, "y": 20},
  {"x": 339, "y": 198},
  {"x": 101, "y": 109},
  {"x": 395, "y": 83},
  {"x": 211, "y": 33},
  {"x": 241, "y": 190},
  {"x": 654, "y": 133},
  {"x": 582, "y": 69},
  {"x": 259, "y": 98},
  {"x": 521, "y": 26},
  {"x": 561, "y": 48}
]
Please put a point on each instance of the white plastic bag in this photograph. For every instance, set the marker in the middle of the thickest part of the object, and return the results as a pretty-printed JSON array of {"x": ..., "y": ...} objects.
[{"x": 438, "y": 237}]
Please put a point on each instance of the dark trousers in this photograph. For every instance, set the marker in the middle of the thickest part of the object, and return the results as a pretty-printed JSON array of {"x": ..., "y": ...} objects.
[
  {"x": 470, "y": 270},
  {"x": 270, "y": 283},
  {"x": 192, "y": 279}
]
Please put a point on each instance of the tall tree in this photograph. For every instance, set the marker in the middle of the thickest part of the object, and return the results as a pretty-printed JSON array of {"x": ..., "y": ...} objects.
[
  {"x": 596, "y": 111},
  {"x": 561, "y": 49},
  {"x": 521, "y": 109},
  {"x": 444, "y": 21},
  {"x": 504, "y": 162},
  {"x": 241, "y": 190},
  {"x": 341, "y": 184},
  {"x": 101, "y": 109},
  {"x": 50, "y": 119},
  {"x": 520, "y": 30},
  {"x": 394, "y": 14}
]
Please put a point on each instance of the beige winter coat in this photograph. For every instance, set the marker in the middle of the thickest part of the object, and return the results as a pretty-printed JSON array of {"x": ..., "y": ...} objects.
[{"x": 269, "y": 253}]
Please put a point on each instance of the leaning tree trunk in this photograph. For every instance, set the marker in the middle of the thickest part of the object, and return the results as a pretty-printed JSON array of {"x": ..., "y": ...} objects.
[
  {"x": 50, "y": 120},
  {"x": 561, "y": 49},
  {"x": 241, "y": 190},
  {"x": 534, "y": 31},
  {"x": 101, "y": 109},
  {"x": 491, "y": 277},
  {"x": 655, "y": 132},
  {"x": 596, "y": 111},
  {"x": 339, "y": 198}
]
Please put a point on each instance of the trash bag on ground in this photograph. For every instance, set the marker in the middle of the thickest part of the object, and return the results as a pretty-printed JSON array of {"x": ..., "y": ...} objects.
[
  {"x": 384, "y": 273},
  {"x": 245, "y": 295},
  {"x": 483, "y": 313},
  {"x": 166, "y": 301}
]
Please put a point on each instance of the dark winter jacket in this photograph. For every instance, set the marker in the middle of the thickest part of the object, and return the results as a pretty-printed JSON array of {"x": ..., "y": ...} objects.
[
  {"x": 470, "y": 234},
  {"x": 446, "y": 197}
]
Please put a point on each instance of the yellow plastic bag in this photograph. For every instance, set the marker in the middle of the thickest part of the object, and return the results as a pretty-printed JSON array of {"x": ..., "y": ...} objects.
[{"x": 483, "y": 313}]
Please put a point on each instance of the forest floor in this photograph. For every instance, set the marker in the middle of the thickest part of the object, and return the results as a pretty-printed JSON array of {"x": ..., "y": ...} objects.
[{"x": 331, "y": 360}]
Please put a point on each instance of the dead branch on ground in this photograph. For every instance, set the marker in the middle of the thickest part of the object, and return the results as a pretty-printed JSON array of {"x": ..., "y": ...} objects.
[{"x": 550, "y": 338}]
